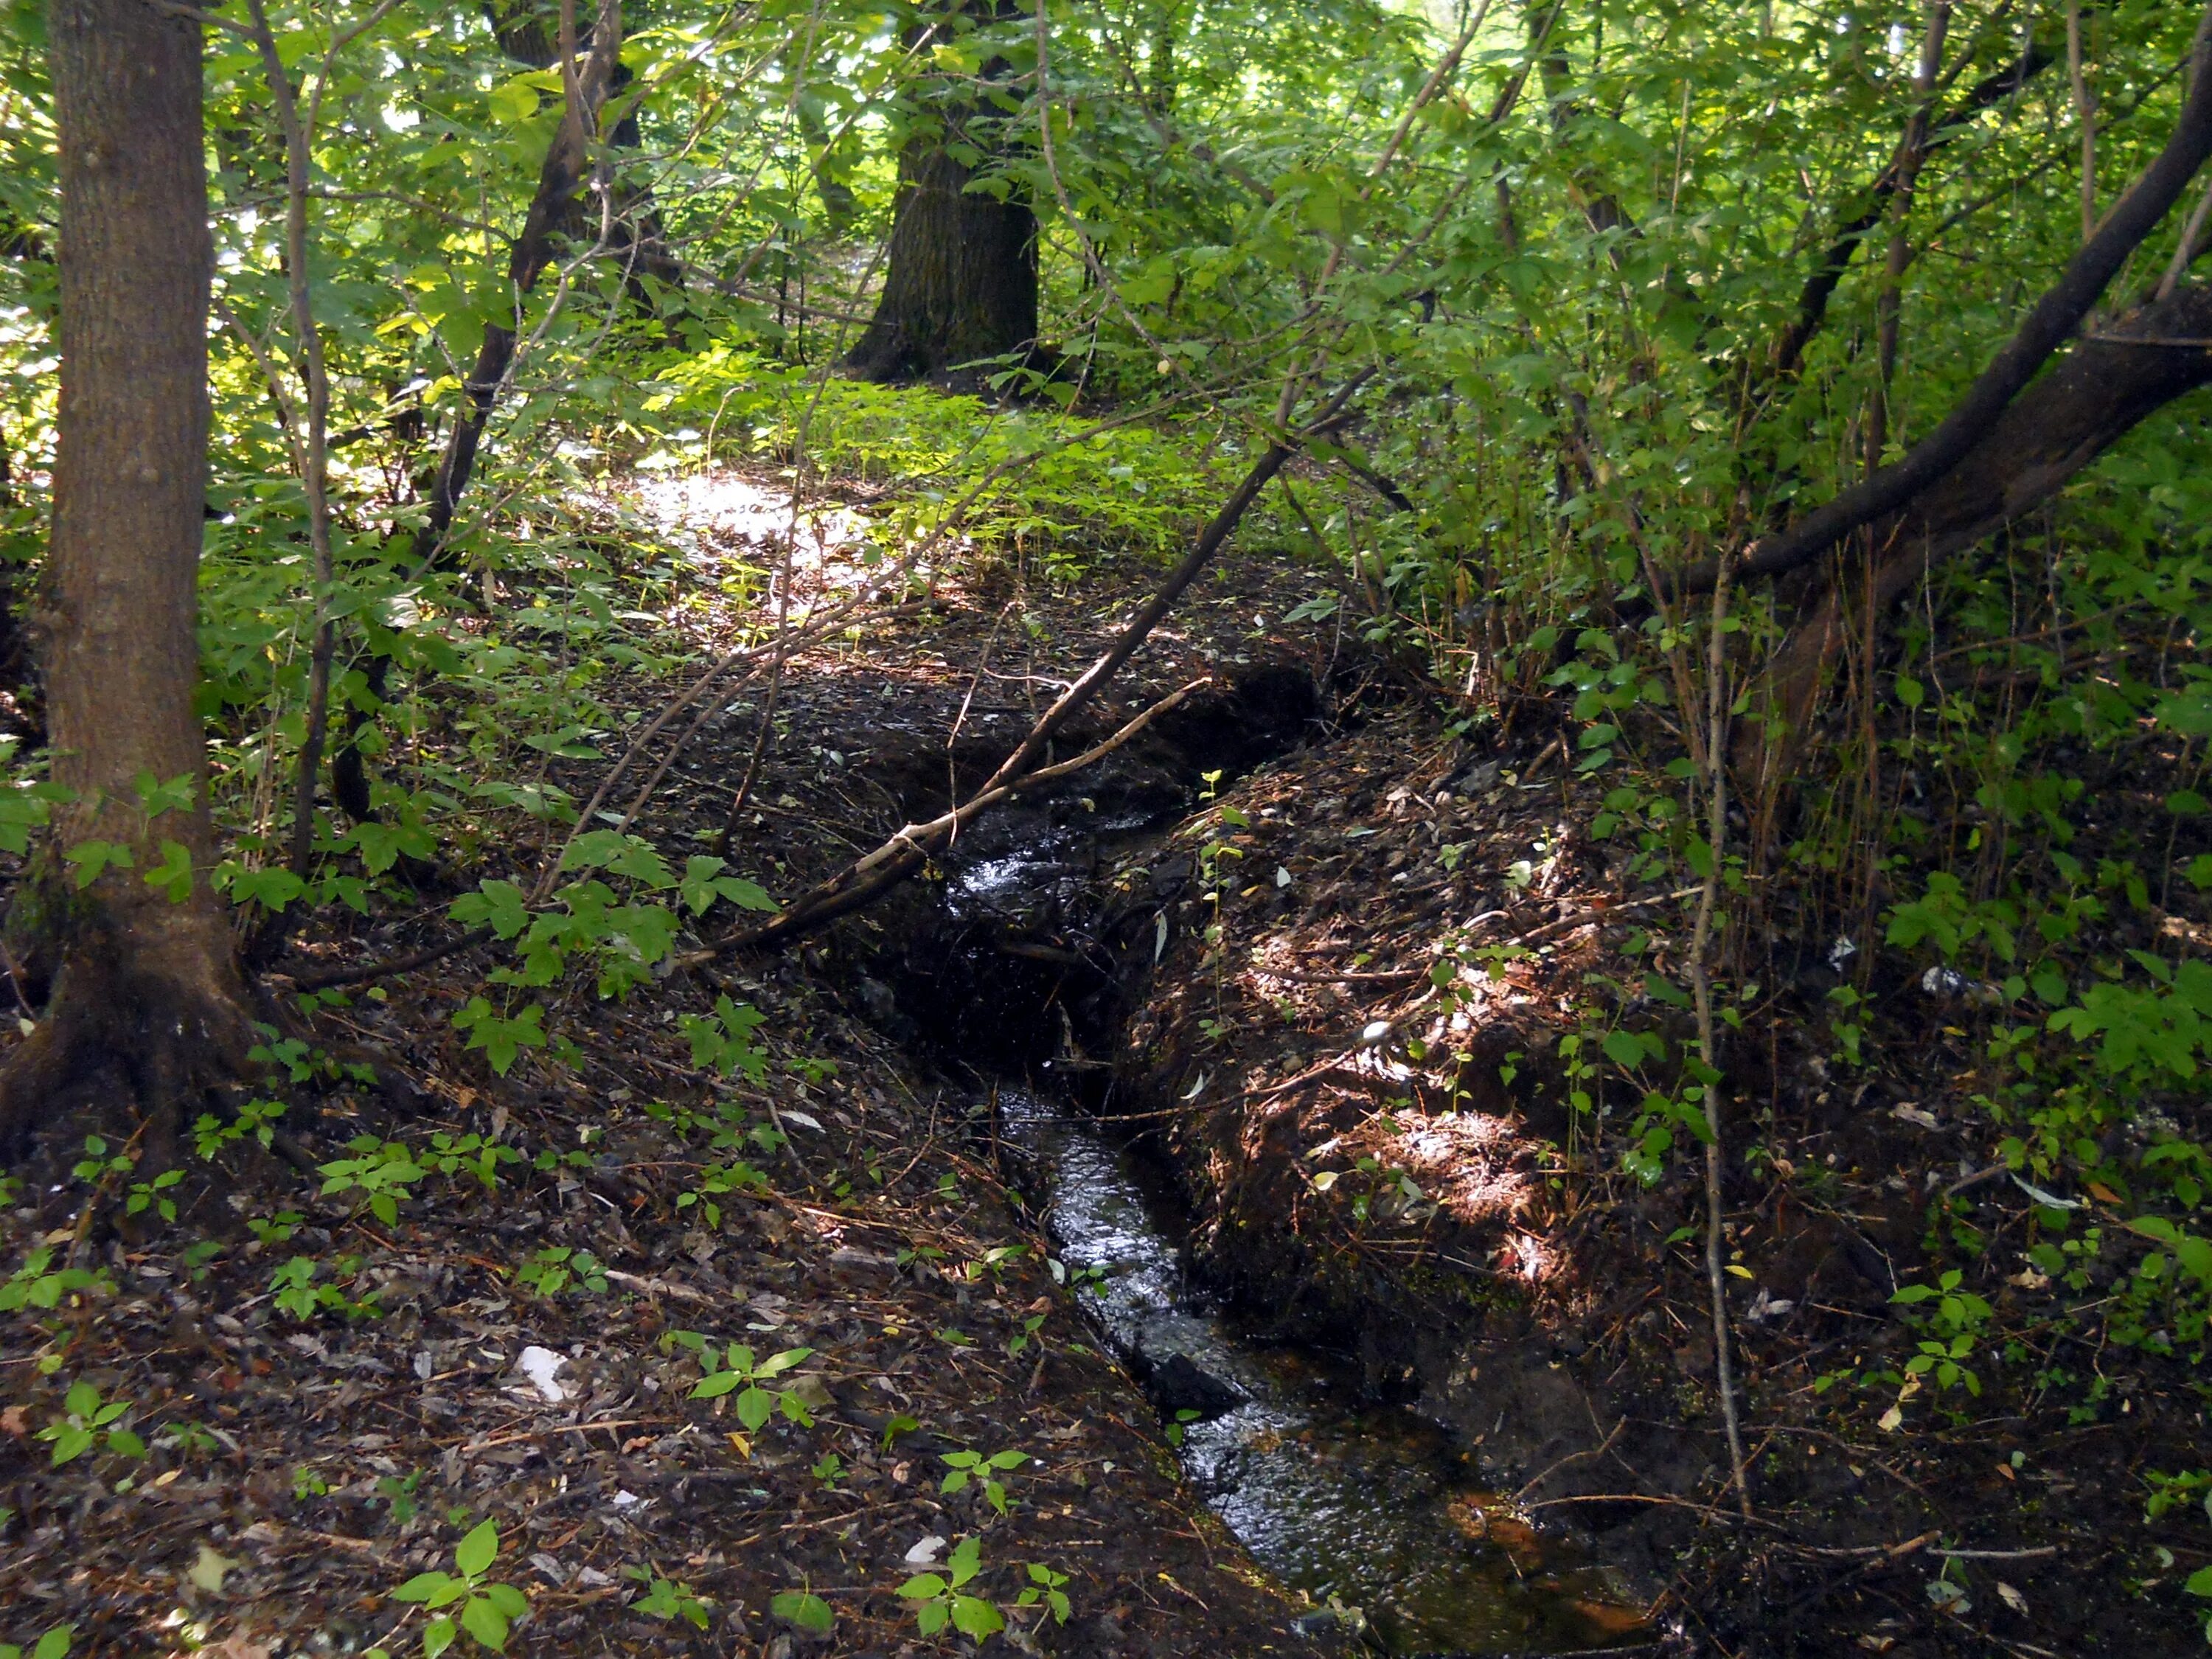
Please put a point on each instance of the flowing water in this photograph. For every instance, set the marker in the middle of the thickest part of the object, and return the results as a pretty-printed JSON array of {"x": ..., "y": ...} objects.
[{"x": 1364, "y": 1507}]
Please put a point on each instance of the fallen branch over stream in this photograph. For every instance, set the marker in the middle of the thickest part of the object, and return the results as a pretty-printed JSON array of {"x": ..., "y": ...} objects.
[{"x": 868, "y": 878}]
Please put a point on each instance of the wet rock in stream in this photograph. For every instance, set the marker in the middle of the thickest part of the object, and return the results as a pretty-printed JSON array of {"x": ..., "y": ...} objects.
[{"x": 1177, "y": 1385}]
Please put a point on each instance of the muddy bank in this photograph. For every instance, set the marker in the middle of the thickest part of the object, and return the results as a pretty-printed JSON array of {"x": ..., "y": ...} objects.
[
  {"x": 1364, "y": 1507},
  {"x": 331, "y": 1396},
  {"x": 1355, "y": 1052}
]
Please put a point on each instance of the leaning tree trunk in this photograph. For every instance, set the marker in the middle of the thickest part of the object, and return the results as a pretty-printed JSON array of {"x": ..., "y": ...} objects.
[
  {"x": 529, "y": 33},
  {"x": 960, "y": 283},
  {"x": 149, "y": 1002},
  {"x": 2101, "y": 391}
]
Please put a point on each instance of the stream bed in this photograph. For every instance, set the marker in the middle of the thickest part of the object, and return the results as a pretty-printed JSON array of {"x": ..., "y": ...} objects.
[{"x": 1362, "y": 1507}]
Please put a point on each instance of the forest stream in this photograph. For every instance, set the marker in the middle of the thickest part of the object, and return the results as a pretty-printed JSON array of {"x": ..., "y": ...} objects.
[{"x": 1367, "y": 1509}]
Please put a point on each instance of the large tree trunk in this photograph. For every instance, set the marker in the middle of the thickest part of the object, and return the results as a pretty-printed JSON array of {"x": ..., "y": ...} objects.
[
  {"x": 149, "y": 994},
  {"x": 960, "y": 278},
  {"x": 2096, "y": 395}
]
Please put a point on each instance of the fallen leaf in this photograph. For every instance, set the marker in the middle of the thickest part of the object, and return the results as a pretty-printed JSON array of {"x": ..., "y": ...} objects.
[
  {"x": 2011, "y": 1597},
  {"x": 2103, "y": 1194},
  {"x": 15, "y": 1421},
  {"x": 1891, "y": 1418},
  {"x": 211, "y": 1570}
]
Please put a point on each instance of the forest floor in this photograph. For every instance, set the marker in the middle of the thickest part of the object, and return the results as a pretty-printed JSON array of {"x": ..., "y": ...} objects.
[{"x": 334, "y": 1398}]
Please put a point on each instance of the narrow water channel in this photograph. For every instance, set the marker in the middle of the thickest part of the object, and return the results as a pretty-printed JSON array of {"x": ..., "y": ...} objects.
[{"x": 1360, "y": 1507}]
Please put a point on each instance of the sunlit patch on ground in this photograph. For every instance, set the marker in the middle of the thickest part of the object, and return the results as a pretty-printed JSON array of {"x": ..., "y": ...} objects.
[{"x": 834, "y": 547}]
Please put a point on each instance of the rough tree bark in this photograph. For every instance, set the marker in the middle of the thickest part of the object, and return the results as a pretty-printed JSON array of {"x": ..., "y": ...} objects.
[
  {"x": 960, "y": 283},
  {"x": 149, "y": 1003}
]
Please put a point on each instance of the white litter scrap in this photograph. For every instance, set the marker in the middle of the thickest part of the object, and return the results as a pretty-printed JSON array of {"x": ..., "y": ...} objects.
[
  {"x": 1767, "y": 1305},
  {"x": 925, "y": 1551},
  {"x": 542, "y": 1366}
]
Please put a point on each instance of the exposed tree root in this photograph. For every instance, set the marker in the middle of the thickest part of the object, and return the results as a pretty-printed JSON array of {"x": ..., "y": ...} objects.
[{"x": 144, "y": 1022}]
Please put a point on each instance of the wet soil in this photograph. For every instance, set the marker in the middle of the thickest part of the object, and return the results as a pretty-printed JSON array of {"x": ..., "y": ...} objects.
[
  {"x": 1366, "y": 1507},
  {"x": 1407, "y": 1186},
  {"x": 1397, "y": 1232},
  {"x": 308, "y": 1454}
]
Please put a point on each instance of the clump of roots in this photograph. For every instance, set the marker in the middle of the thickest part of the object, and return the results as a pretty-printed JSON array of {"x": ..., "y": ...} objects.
[{"x": 146, "y": 1024}]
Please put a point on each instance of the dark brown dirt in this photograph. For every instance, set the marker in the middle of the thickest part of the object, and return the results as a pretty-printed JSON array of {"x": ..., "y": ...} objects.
[
  {"x": 1477, "y": 1250},
  {"x": 328, "y": 1455},
  {"x": 1552, "y": 1311}
]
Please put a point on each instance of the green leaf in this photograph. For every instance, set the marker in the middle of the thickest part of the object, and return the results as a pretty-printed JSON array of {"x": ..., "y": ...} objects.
[
  {"x": 2199, "y": 1583},
  {"x": 697, "y": 889},
  {"x": 500, "y": 905},
  {"x": 754, "y": 1405},
  {"x": 923, "y": 1587},
  {"x": 965, "y": 1561},
  {"x": 476, "y": 1553},
  {"x": 55, "y": 1643},
  {"x": 776, "y": 1364},
  {"x": 485, "y": 1622},
  {"x": 1624, "y": 1049},
  {"x": 173, "y": 877},
  {"x": 975, "y": 1618},
  {"x": 272, "y": 889},
  {"x": 507, "y": 1599},
  {"x": 437, "y": 1637},
  {"x": 715, "y": 1385},
  {"x": 93, "y": 857},
  {"x": 421, "y": 1586},
  {"x": 514, "y": 100},
  {"x": 803, "y": 1611}
]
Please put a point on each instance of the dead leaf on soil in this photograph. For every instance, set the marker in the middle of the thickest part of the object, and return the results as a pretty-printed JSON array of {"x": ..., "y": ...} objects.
[{"x": 211, "y": 1570}]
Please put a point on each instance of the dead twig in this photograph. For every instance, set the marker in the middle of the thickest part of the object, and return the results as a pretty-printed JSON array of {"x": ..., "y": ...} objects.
[
  {"x": 897, "y": 858},
  {"x": 1598, "y": 1450}
]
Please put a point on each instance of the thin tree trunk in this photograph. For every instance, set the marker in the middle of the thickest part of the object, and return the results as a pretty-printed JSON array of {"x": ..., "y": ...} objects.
[
  {"x": 314, "y": 452},
  {"x": 551, "y": 215},
  {"x": 149, "y": 994}
]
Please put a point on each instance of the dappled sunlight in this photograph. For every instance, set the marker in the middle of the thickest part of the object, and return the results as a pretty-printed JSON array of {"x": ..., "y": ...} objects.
[{"x": 732, "y": 508}]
